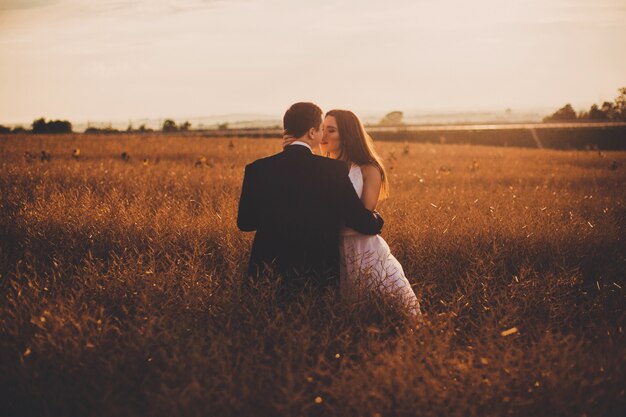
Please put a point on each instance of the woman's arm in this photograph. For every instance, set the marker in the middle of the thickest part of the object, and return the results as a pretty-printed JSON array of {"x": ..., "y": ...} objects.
[
  {"x": 372, "y": 181},
  {"x": 355, "y": 215}
]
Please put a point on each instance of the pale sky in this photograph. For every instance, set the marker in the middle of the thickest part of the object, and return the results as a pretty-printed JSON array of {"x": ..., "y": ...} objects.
[{"x": 128, "y": 59}]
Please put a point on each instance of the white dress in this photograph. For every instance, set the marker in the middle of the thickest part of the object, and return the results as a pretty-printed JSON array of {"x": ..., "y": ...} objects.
[{"x": 366, "y": 262}]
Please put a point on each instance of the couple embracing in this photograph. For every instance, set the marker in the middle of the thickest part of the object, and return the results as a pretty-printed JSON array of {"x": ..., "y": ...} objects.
[{"x": 315, "y": 216}]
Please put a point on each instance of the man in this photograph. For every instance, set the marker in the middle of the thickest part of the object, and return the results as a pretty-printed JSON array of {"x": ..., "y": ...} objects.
[{"x": 297, "y": 202}]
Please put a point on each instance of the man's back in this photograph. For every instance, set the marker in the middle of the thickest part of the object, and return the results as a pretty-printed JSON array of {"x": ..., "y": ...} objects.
[{"x": 297, "y": 203}]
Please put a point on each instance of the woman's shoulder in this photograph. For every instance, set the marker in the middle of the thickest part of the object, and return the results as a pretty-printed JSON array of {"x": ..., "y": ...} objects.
[{"x": 370, "y": 171}]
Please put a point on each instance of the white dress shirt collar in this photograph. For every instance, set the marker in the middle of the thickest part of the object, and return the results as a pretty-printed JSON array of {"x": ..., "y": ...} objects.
[{"x": 299, "y": 142}]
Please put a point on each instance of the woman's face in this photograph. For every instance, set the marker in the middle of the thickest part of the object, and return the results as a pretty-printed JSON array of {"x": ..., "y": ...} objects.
[{"x": 331, "y": 142}]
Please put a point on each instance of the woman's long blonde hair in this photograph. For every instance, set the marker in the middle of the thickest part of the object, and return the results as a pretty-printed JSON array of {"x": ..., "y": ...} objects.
[{"x": 357, "y": 146}]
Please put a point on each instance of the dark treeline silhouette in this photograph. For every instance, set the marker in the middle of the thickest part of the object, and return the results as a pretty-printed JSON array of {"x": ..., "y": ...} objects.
[
  {"x": 614, "y": 111},
  {"x": 16, "y": 129},
  {"x": 111, "y": 130},
  {"x": 105, "y": 130},
  {"x": 170, "y": 125},
  {"x": 52, "y": 126},
  {"x": 63, "y": 126},
  {"x": 41, "y": 126}
]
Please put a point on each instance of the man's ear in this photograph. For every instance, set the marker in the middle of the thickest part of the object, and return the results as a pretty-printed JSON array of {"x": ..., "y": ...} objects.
[{"x": 311, "y": 133}]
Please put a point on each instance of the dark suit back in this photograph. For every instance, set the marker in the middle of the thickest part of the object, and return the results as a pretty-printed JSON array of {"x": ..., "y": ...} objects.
[{"x": 297, "y": 202}]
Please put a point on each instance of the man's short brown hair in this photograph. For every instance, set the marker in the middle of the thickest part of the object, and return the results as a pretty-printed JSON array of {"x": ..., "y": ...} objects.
[{"x": 301, "y": 117}]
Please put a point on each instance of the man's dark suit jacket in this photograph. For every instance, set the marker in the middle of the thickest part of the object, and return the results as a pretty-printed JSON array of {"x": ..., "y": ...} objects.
[{"x": 297, "y": 202}]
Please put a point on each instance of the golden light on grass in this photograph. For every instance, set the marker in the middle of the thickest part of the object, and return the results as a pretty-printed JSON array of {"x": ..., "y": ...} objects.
[{"x": 79, "y": 239}]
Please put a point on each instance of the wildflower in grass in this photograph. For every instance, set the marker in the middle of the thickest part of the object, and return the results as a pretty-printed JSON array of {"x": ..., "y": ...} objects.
[
  {"x": 509, "y": 332},
  {"x": 200, "y": 162}
]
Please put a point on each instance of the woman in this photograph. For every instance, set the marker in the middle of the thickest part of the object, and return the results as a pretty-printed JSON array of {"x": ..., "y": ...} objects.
[{"x": 366, "y": 261}]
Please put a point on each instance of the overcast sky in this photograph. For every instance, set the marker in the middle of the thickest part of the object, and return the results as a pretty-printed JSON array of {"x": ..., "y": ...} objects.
[{"x": 127, "y": 59}]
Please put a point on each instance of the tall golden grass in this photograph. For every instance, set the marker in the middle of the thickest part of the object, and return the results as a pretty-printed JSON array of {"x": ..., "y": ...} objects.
[{"x": 122, "y": 288}]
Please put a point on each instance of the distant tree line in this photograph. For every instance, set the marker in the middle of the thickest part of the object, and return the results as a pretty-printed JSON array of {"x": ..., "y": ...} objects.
[
  {"x": 41, "y": 126},
  {"x": 63, "y": 126},
  {"x": 111, "y": 130},
  {"x": 170, "y": 125},
  {"x": 52, "y": 126},
  {"x": 17, "y": 129},
  {"x": 614, "y": 111}
]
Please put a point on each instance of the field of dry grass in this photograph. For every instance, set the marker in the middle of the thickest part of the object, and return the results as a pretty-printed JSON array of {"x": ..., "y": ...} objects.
[{"x": 122, "y": 290}]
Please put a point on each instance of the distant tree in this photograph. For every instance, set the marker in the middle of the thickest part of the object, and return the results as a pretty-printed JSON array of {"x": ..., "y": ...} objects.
[
  {"x": 53, "y": 126},
  {"x": 393, "y": 118},
  {"x": 40, "y": 126},
  {"x": 5, "y": 129},
  {"x": 143, "y": 129},
  {"x": 565, "y": 113},
  {"x": 59, "y": 126},
  {"x": 169, "y": 126},
  {"x": 222, "y": 126},
  {"x": 608, "y": 111},
  {"x": 620, "y": 104},
  {"x": 185, "y": 126},
  {"x": 595, "y": 114},
  {"x": 19, "y": 129},
  {"x": 129, "y": 128},
  {"x": 608, "y": 108}
]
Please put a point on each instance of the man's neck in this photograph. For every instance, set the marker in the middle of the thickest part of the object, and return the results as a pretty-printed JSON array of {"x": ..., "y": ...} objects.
[
  {"x": 309, "y": 143},
  {"x": 302, "y": 144},
  {"x": 305, "y": 139}
]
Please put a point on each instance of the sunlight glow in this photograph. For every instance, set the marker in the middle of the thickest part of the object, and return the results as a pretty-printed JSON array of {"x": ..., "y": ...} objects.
[{"x": 122, "y": 59}]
